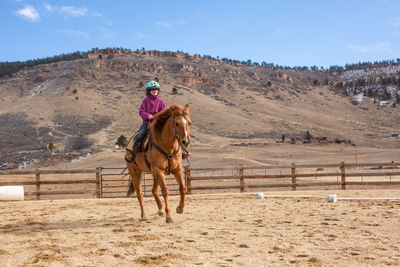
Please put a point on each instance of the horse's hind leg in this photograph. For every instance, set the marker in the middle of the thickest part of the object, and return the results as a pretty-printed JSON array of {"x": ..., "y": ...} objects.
[{"x": 156, "y": 195}]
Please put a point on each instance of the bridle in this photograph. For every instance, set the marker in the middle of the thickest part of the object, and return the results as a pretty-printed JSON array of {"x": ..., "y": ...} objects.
[
  {"x": 182, "y": 145},
  {"x": 172, "y": 155}
]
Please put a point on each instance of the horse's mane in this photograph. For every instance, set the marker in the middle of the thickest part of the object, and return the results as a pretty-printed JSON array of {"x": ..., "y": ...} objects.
[{"x": 162, "y": 117}]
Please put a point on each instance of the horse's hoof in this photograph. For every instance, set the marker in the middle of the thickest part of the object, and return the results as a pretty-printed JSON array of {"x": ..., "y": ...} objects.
[
  {"x": 169, "y": 220},
  {"x": 179, "y": 210},
  {"x": 160, "y": 213},
  {"x": 143, "y": 219}
]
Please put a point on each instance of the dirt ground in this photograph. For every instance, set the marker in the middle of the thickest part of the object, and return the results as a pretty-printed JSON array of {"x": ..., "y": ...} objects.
[{"x": 214, "y": 230}]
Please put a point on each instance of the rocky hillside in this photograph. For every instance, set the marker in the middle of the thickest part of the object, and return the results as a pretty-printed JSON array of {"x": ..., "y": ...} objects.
[{"x": 82, "y": 106}]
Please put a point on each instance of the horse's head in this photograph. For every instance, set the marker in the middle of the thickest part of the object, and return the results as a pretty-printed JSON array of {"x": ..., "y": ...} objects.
[{"x": 181, "y": 126}]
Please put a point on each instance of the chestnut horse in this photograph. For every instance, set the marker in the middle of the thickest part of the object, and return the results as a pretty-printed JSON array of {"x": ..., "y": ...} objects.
[{"x": 169, "y": 134}]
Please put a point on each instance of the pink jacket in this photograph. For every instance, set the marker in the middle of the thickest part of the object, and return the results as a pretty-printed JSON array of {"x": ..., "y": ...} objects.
[{"x": 150, "y": 105}]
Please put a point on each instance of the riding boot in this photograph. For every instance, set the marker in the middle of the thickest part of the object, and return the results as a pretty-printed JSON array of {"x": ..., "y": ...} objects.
[{"x": 136, "y": 149}]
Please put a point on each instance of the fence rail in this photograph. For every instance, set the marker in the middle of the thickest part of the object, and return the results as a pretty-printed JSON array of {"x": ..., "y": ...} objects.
[
  {"x": 290, "y": 174},
  {"x": 109, "y": 182},
  {"x": 38, "y": 181}
]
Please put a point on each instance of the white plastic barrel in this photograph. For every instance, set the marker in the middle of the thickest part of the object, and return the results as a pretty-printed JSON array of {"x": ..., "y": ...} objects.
[
  {"x": 260, "y": 195},
  {"x": 12, "y": 192},
  {"x": 332, "y": 198}
]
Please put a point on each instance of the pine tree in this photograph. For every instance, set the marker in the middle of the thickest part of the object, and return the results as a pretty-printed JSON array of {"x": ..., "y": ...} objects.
[{"x": 51, "y": 146}]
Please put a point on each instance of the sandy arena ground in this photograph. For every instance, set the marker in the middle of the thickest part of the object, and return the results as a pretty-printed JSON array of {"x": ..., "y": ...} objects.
[{"x": 215, "y": 230}]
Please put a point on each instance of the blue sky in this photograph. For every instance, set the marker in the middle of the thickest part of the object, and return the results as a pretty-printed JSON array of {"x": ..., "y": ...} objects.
[{"x": 289, "y": 33}]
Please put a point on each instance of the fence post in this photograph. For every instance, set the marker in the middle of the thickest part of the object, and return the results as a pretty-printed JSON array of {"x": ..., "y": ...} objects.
[
  {"x": 37, "y": 184},
  {"x": 189, "y": 181},
  {"x": 343, "y": 173},
  {"x": 98, "y": 182},
  {"x": 101, "y": 182},
  {"x": 293, "y": 177},
  {"x": 241, "y": 173}
]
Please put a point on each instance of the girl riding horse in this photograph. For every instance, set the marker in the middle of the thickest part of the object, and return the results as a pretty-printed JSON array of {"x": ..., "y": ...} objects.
[{"x": 169, "y": 135}]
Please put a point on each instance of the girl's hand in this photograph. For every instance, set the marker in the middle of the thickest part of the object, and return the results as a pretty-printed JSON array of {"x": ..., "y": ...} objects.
[{"x": 151, "y": 117}]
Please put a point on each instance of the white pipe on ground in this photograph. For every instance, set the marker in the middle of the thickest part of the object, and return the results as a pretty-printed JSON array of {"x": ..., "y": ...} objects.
[
  {"x": 334, "y": 198},
  {"x": 260, "y": 195},
  {"x": 371, "y": 198},
  {"x": 11, "y": 192}
]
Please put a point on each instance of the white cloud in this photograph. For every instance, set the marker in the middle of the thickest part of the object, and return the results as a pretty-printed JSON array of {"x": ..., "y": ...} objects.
[
  {"x": 28, "y": 12},
  {"x": 383, "y": 46},
  {"x": 102, "y": 17},
  {"x": 163, "y": 24},
  {"x": 142, "y": 35},
  {"x": 279, "y": 30},
  {"x": 107, "y": 33},
  {"x": 395, "y": 22},
  {"x": 99, "y": 15},
  {"x": 76, "y": 34},
  {"x": 73, "y": 11},
  {"x": 48, "y": 7}
]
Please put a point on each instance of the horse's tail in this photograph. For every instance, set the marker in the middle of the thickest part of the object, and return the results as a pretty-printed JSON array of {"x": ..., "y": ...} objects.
[{"x": 131, "y": 189}]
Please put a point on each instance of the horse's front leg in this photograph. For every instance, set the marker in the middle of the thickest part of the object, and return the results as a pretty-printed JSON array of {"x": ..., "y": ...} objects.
[
  {"x": 178, "y": 173},
  {"x": 160, "y": 178},
  {"x": 157, "y": 197}
]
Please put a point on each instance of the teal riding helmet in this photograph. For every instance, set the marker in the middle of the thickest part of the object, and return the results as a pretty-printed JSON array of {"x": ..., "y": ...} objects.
[{"x": 152, "y": 85}]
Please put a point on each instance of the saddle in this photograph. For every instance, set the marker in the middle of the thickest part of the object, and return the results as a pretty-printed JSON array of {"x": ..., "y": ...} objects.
[{"x": 142, "y": 146}]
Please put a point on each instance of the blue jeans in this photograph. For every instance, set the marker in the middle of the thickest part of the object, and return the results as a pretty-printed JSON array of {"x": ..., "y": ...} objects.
[{"x": 140, "y": 135}]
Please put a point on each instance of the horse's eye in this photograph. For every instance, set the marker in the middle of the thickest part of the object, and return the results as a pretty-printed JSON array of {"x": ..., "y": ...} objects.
[{"x": 176, "y": 124}]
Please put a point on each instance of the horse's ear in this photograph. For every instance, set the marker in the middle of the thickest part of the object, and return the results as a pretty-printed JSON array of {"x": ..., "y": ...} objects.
[{"x": 186, "y": 109}]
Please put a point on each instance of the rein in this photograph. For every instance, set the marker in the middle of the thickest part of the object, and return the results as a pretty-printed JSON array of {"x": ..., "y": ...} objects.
[{"x": 169, "y": 156}]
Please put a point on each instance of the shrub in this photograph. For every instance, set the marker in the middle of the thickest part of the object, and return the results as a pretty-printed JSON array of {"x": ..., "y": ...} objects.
[
  {"x": 122, "y": 141},
  {"x": 51, "y": 146}
]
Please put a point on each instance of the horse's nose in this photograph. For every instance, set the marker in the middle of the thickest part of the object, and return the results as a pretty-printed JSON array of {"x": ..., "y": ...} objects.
[{"x": 184, "y": 142}]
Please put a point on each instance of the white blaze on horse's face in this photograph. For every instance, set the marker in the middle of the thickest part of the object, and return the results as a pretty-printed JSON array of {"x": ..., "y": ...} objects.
[
  {"x": 183, "y": 130},
  {"x": 184, "y": 126}
]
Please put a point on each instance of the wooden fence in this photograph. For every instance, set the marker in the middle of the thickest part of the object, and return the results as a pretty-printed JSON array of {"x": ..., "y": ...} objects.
[
  {"x": 35, "y": 179},
  {"x": 110, "y": 182},
  {"x": 294, "y": 176}
]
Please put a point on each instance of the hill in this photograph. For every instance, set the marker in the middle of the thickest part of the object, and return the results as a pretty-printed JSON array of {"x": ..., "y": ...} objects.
[{"x": 83, "y": 105}]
